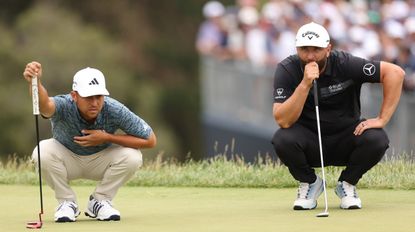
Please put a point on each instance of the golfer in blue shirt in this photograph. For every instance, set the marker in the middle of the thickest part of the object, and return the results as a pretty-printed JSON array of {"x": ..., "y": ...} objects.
[{"x": 85, "y": 144}]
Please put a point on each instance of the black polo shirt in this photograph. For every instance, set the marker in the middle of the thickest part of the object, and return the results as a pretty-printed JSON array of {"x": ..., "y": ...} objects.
[{"x": 338, "y": 89}]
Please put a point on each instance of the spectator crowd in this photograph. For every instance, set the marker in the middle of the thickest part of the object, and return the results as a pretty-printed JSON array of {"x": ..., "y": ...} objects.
[{"x": 263, "y": 32}]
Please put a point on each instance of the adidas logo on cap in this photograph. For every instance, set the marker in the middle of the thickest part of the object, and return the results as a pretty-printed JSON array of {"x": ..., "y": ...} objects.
[{"x": 94, "y": 82}]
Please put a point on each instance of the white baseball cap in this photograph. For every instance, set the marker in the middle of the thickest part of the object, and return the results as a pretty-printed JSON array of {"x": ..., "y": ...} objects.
[
  {"x": 213, "y": 9},
  {"x": 312, "y": 34},
  {"x": 89, "y": 82},
  {"x": 248, "y": 15}
]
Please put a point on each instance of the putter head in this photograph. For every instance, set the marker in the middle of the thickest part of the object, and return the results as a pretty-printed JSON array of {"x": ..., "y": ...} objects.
[
  {"x": 323, "y": 214},
  {"x": 34, "y": 225}
]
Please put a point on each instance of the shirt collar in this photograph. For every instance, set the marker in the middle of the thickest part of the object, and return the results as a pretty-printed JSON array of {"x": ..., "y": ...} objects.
[{"x": 329, "y": 69}]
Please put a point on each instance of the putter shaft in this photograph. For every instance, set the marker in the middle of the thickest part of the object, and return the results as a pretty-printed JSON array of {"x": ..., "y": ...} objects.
[
  {"x": 325, "y": 213},
  {"x": 36, "y": 112}
]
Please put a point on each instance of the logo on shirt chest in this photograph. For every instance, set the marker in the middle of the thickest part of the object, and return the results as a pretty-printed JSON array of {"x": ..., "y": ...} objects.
[{"x": 335, "y": 88}]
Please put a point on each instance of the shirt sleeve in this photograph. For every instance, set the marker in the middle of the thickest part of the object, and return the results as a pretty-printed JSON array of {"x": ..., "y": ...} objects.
[
  {"x": 128, "y": 121},
  {"x": 283, "y": 88},
  {"x": 362, "y": 70},
  {"x": 60, "y": 106}
]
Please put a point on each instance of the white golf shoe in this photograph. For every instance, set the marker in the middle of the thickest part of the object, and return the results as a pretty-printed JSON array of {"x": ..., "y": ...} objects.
[
  {"x": 67, "y": 211},
  {"x": 102, "y": 210},
  {"x": 308, "y": 194},
  {"x": 348, "y": 195}
]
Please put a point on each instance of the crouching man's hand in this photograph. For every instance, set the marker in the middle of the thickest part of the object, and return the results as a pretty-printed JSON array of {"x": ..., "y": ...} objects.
[{"x": 91, "y": 138}]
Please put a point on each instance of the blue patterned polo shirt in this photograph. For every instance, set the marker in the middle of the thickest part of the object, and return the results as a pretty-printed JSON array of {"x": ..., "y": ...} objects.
[{"x": 67, "y": 123}]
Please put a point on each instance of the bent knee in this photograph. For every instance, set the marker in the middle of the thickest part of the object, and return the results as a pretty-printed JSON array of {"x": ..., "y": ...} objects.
[
  {"x": 375, "y": 138},
  {"x": 133, "y": 158},
  {"x": 283, "y": 137},
  {"x": 46, "y": 154}
]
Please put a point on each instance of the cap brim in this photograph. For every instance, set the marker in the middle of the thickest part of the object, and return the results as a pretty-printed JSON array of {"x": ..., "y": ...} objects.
[
  {"x": 311, "y": 45},
  {"x": 93, "y": 93}
]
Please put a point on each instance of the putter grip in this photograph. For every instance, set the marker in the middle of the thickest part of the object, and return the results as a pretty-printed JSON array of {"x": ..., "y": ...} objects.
[
  {"x": 315, "y": 92},
  {"x": 35, "y": 96}
]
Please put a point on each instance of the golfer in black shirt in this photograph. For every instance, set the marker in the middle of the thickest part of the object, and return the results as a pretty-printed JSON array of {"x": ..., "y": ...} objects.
[{"x": 347, "y": 139}]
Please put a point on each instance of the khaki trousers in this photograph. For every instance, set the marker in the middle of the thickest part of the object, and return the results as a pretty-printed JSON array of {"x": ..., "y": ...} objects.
[{"x": 111, "y": 167}]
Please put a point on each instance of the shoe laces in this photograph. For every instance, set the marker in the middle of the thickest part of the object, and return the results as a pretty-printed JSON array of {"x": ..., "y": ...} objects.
[
  {"x": 97, "y": 205},
  {"x": 69, "y": 204},
  {"x": 349, "y": 189},
  {"x": 106, "y": 202},
  {"x": 303, "y": 190}
]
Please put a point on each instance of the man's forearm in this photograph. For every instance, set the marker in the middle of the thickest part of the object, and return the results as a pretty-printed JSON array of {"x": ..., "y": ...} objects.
[
  {"x": 392, "y": 82},
  {"x": 132, "y": 141}
]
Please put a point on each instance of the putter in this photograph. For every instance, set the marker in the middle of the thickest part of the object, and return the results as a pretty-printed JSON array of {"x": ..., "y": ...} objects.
[
  {"x": 325, "y": 213},
  {"x": 35, "y": 101}
]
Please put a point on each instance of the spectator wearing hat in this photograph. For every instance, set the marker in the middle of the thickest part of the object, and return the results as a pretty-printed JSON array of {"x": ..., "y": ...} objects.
[
  {"x": 212, "y": 37},
  {"x": 255, "y": 37}
]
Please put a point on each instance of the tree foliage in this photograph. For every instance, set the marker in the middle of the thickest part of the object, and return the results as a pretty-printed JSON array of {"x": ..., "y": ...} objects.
[{"x": 145, "y": 49}]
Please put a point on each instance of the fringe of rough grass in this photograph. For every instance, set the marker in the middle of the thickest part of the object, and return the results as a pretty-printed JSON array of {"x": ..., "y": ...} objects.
[{"x": 397, "y": 172}]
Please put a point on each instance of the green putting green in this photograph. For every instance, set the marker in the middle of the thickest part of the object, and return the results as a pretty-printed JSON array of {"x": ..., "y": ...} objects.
[{"x": 213, "y": 209}]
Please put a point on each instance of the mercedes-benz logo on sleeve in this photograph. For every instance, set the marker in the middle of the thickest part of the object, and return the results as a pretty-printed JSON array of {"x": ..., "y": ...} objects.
[{"x": 369, "y": 69}]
